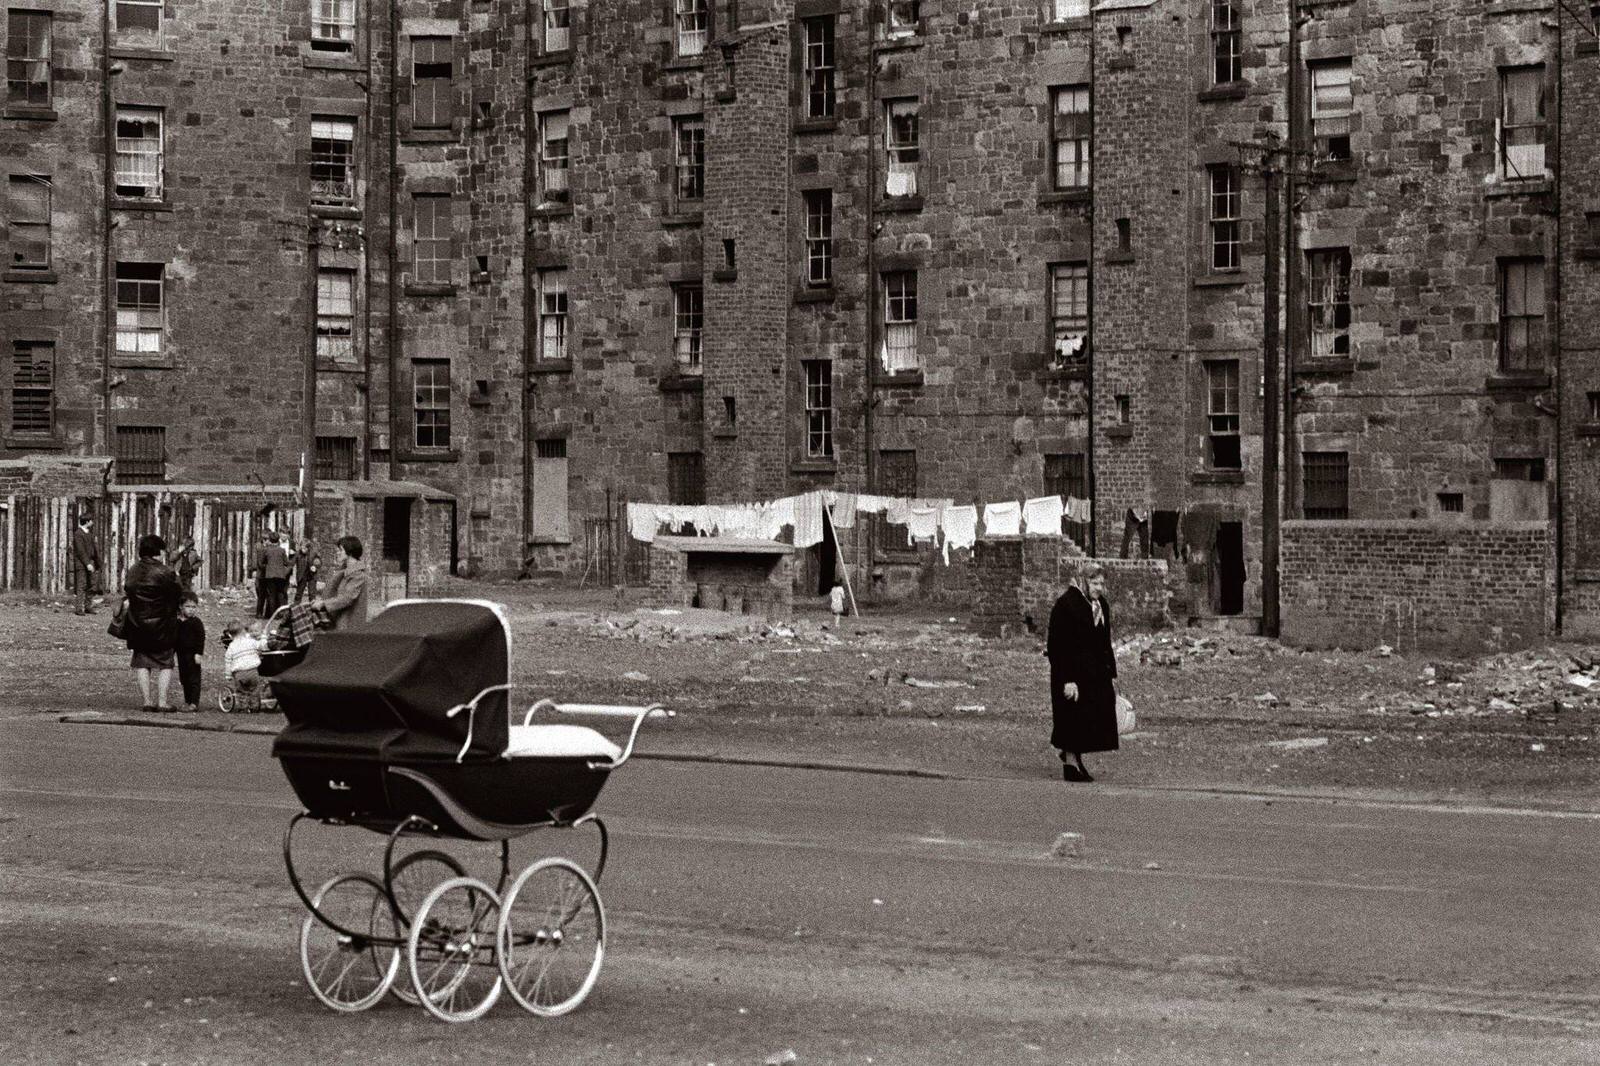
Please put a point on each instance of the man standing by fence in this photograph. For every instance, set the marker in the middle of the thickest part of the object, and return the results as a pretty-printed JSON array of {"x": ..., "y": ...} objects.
[
  {"x": 85, "y": 562},
  {"x": 272, "y": 576}
]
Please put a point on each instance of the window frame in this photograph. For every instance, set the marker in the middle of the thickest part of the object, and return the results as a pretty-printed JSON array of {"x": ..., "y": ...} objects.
[
  {"x": 1328, "y": 311},
  {"x": 688, "y": 161},
  {"x": 900, "y": 312},
  {"x": 818, "y": 403},
  {"x": 336, "y": 329},
  {"x": 438, "y": 268},
  {"x": 1324, "y": 498},
  {"x": 1072, "y": 129},
  {"x": 16, "y": 219},
  {"x": 688, "y": 327},
  {"x": 554, "y": 315},
  {"x": 818, "y": 205},
  {"x": 327, "y": 15},
  {"x": 1509, "y": 169},
  {"x": 1224, "y": 231},
  {"x": 143, "y": 36},
  {"x": 21, "y": 85},
  {"x": 334, "y": 458},
  {"x": 686, "y": 478},
  {"x": 1078, "y": 308},
  {"x": 890, "y": 480},
  {"x": 1066, "y": 474},
  {"x": 1525, "y": 333},
  {"x": 144, "y": 320},
  {"x": 435, "y": 110},
  {"x": 819, "y": 59},
  {"x": 132, "y": 148},
  {"x": 691, "y": 28},
  {"x": 1227, "y": 43},
  {"x": 1330, "y": 118},
  {"x": 555, "y": 31},
  {"x": 32, "y": 377},
  {"x": 1068, "y": 10},
  {"x": 426, "y": 404},
  {"x": 328, "y": 191},
  {"x": 901, "y": 19},
  {"x": 147, "y": 463},
  {"x": 551, "y": 190},
  {"x": 902, "y": 157},
  {"x": 1223, "y": 415}
]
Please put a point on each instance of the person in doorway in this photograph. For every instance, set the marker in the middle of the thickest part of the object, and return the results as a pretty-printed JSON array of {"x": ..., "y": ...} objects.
[
  {"x": 191, "y": 645},
  {"x": 307, "y": 563},
  {"x": 85, "y": 563},
  {"x": 344, "y": 590},
  {"x": 272, "y": 576},
  {"x": 153, "y": 593},
  {"x": 186, "y": 561},
  {"x": 1083, "y": 670}
]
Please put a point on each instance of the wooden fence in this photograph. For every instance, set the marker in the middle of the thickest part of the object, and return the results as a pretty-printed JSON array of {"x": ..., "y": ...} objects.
[{"x": 36, "y": 535}]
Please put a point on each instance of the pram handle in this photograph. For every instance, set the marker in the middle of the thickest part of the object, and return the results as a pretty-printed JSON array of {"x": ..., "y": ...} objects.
[
  {"x": 471, "y": 707},
  {"x": 638, "y": 714}
]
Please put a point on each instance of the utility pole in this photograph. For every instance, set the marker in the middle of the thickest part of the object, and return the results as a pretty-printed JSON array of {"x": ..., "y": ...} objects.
[
  {"x": 1270, "y": 434},
  {"x": 308, "y": 459}
]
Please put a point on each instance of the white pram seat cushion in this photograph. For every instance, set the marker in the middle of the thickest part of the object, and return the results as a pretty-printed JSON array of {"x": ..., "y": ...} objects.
[{"x": 559, "y": 742}]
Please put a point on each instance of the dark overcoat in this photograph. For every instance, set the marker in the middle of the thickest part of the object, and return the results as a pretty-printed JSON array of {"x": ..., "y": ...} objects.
[
  {"x": 1080, "y": 653},
  {"x": 153, "y": 592}
]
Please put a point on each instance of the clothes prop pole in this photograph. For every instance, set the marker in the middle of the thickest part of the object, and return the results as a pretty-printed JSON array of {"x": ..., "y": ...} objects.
[{"x": 827, "y": 512}]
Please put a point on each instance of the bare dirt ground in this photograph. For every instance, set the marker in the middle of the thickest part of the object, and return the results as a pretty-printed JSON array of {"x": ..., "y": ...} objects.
[{"x": 909, "y": 689}]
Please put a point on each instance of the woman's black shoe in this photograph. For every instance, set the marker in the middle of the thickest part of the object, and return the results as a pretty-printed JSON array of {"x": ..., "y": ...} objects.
[{"x": 1072, "y": 773}]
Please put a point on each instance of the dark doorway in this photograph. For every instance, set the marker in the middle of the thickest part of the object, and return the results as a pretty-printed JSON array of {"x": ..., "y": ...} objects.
[
  {"x": 1230, "y": 568},
  {"x": 827, "y": 560},
  {"x": 397, "y": 534}
]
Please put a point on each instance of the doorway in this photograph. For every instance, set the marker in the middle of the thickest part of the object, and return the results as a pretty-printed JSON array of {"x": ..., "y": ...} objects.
[
  {"x": 397, "y": 534},
  {"x": 1229, "y": 568},
  {"x": 827, "y": 560}
]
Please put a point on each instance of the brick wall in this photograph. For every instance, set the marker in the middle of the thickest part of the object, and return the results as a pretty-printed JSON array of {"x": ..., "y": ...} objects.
[
  {"x": 1017, "y": 580},
  {"x": 1462, "y": 587},
  {"x": 44, "y": 475}
]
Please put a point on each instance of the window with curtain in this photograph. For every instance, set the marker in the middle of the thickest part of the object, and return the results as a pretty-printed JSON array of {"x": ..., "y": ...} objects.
[
  {"x": 1328, "y": 302},
  {"x": 1069, "y": 313},
  {"x": 554, "y": 157},
  {"x": 336, "y": 314},
  {"x": 689, "y": 143},
  {"x": 902, "y": 148},
  {"x": 553, "y": 313},
  {"x": 333, "y": 25},
  {"x": 1522, "y": 130},
  {"x": 692, "y": 21},
  {"x": 1071, "y": 123},
  {"x": 557, "y": 25},
  {"x": 139, "y": 152},
  {"x": 688, "y": 319},
  {"x": 141, "y": 318},
  {"x": 899, "y": 350},
  {"x": 333, "y": 161},
  {"x": 1332, "y": 106}
]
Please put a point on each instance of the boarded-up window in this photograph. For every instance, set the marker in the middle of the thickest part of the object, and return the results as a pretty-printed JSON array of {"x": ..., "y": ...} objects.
[
  {"x": 686, "y": 478},
  {"x": 897, "y": 476},
  {"x": 27, "y": 212},
  {"x": 550, "y": 521},
  {"x": 141, "y": 455},
  {"x": 557, "y": 25},
  {"x": 433, "y": 102},
  {"x": 33, "y": 370}
]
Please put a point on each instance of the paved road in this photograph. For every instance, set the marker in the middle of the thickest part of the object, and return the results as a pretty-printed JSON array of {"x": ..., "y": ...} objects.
[{"x": 848, "y": 917}]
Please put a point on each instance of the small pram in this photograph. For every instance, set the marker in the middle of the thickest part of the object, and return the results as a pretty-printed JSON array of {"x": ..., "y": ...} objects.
[
  {"x": 288, "y": 634},
  {"x": 401, "y": 726}
]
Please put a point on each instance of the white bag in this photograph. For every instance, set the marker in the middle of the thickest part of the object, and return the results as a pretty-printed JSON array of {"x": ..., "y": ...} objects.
[{"x": 1127, "y": 721}]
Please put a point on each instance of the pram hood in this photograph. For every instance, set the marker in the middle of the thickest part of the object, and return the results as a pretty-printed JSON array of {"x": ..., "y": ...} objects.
[{"x": 382, "y": 690}]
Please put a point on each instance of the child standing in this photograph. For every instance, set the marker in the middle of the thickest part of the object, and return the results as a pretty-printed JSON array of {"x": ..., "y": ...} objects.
[
  {"x": 191, "y": 645},
  {"x": 836, "y": 603},
  {"x": 242, "y": 659}
]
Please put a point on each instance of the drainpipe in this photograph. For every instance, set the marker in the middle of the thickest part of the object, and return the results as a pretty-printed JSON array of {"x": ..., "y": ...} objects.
[
  {"x": 366, "y": 263},
  {"x": 1560, "y": 511},
  {"x": 532, "y": 12},
  {"x": 869, "y": 364},
  {"x": 108, "y": 304},
  {"x": 1293, "y": 301},
  {"x": 393, "y": 339},
  {"x": 1088, "y": 384}
]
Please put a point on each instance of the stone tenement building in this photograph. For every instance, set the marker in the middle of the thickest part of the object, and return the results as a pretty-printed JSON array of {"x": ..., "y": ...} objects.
[{"x": 551, "y": 254}]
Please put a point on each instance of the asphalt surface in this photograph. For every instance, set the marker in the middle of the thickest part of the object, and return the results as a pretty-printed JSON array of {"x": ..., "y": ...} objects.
[{"x": 843, "y": 917}]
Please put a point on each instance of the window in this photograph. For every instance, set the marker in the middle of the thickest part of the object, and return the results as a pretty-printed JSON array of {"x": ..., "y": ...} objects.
[
  {"x": 1594, "y": 406},
  {"x": 430, "y": 405},
  {"x": 1522, "y": 345},
  {"x": 336, "y": 314},
  {"x": 432, "y": 239},
  {"x": 28, "y": 58},
  {"x": 1069, "y": 313},
  {"x": 897, "y": 476},
  {"x": 819, "y": 66},
  {"x": 335, "y": 459},
  {"x": 433, "y": 100},
  {"x": 1224, "y": 225},
  {"x": 333, "y": 25},
  {"x": 553, "y": 314},
  {"x": 686, "y": 478},
  {"x": 689, "y": 171},
  {"x": 688, "y": 317},
  {"x": 901, "y": 148},
  {"x": 1070, "y": 124},
  {"x": 1062, "y": 10},
  {"x": 1452, "y": 503},
  {"x": 551, "y": 513},
  {"x": 1227, "y": 37},
  {"x": 819, "y": 237},
  {"x": 1328, "y": 302},
  {"x": 1519, "y": 469},
  {"x": 28, "y": 222},
  {"x": 140, "y": 455},
  {"x": 1327, "y": 484},
  {"x": 141, "y": 320},
  {"x": 33, "y": 371},
  {"x": 1124, "y": 407},
  {"x": 1222, "y": 415},
  {"x": 1522, "y": 123},
  {"x": 139, "y": 151},
  {"x": 554, "y": 158},
  {"x": 1331, "y": 108},
  {"x": 1066, "y": 474},
  {"x": 333, "y": 161},
  {"x": 139, "y": 23},
  {"x": 819, "y": 408},
  {"x": 557, "y": 25},
  {"x": 903, "y": 18},
  {"x": 692, "y": 19},
  {"x": 899, "y": 321}
]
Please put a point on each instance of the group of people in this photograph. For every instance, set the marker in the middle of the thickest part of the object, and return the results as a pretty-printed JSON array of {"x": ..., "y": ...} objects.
[
  {"x": 275, "y": 563},
  {"x": 161, "y": 623}
]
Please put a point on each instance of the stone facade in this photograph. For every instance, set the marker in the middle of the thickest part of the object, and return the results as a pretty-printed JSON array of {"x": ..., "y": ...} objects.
[
  {"x": 581, "y": 243},
  {"x": 1017, "y": 581}
]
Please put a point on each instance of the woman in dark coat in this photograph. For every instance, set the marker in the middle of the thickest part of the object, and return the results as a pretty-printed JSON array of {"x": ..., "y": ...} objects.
[
  {"x": 1083, "y": 669},
  {"x": 153, "y": 592}
]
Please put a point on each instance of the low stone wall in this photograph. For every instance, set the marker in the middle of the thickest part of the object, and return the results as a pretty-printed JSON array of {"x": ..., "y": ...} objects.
[
  {"x": 760, "y": 584},
  {"x": 1440, "y": 586},
  {"x": 1017, "y": 580},
  {"x": 55, "y": 475}
]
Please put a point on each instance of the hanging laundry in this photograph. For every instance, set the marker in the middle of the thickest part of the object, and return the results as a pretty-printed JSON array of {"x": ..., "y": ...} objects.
[
  {"x": 642, "y": 521},
  {"x": 806, "y": 511},
  {"x": 896, "y": 510},
  {"x": 1164, "y": 534},
  {"x": 866, "y": 504},
  {"x": 1042, "y": 514},
  {"x": 1079, "y": 510},
  {"x": 1002, "y": 519},
  {"x": 960, "y": 525},
  {"x": 922, "y": 523},
  {"x": 843, "y": 510},
  {"x": 1134, "y": 526}
]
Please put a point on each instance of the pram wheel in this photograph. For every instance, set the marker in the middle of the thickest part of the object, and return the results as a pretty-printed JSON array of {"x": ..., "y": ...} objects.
[
  {"x": 348, "y": 973},
  {"x": 411, "y": 879},
  {"x": 225, "y": 701},
  {"x": 552, "y": 937},
  {"x": 451, "y": 950}
]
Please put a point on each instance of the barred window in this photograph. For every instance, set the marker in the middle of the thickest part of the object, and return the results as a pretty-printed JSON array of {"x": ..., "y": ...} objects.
[
  {"x": 1332, "y": 106},
  {"x": 1326, "y": 476},
  {"x": 554, "y": 156},
  {"x": 28, "y": 58},
  {"x": 1071, "y": 123},
  {"x": 1222, "y": 415},
  {"x": 819, "y": 69},
  {"x": 819, "y": 237},
  {"x": 432, "y": 237},
  {"x": 1069, "y": 313},
  {"x": 336, "y": 459},
  {"x": 141, "y": 318},
  {"x": 336, "y": 314},
  {"x": 140, "y": 454},
  {"x": 1227, "y": 36},
  {"x": 688, "y": 318},
  {"x": 819, "y": 408},
  {"x": 692, "y": 19},
  {"x": 1224, "y": 229},
  {"x": 333, "y": 161},
  {"x": 553, "y": 314},
  {"x": 689, "y": 143},
  {"x": 27, "y": 214},
  {"x": 1521, "y": 129},
  {"x": 557, "y": 25},
  {"x": 1522, "y": 314},
  {"x": 333, "y": 25},
  {"x": 899, "y": 321},
  {"x": 897, "y": 476},
  {"x": 430, "y": 406},
  {"x": 140, "y": 23},
  {"x": 139, "y": 152},
  {"x": 33, "y": 372},
  {"x": 1328, "y": 302},
  {"x": 1066, "y": 474},
  {"x": 902, "y": 149},
  {"x": 433, "y": 100}
]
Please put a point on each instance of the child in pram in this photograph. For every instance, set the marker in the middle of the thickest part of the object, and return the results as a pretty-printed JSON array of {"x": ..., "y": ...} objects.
[{"x": 241, "y": 659}]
